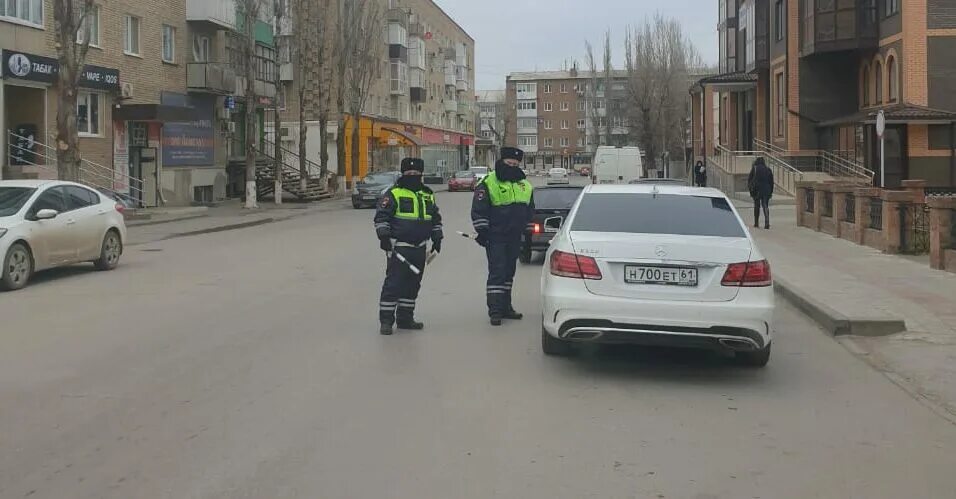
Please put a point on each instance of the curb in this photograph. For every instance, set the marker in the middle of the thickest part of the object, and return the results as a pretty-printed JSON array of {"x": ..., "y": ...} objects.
[
  {"x": 145, "y": 223},
  {"x": 224, "y": 228},
  {"x": 834, "y": 322}
]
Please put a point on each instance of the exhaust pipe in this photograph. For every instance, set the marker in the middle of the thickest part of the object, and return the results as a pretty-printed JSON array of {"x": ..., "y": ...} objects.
[
  {"x": 738, "y": 345},
  {"x": 583, "y": 335}
]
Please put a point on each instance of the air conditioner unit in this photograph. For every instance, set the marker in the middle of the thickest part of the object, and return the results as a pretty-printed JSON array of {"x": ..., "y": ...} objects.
[
  {"x": 285, "y": 134},
  {"x": 127, "y": 91}
]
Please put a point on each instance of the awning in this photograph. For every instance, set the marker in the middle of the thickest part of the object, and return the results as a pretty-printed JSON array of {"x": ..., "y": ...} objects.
[
  {"x": 895, "y": 114},
  {"x": 154, "y": 112},
  {"x": 403, "y": 134},
  {"x": 728, "y": 82}
]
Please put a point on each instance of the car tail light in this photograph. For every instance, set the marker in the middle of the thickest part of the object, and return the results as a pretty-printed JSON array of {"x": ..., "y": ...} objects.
[
  {"x": 748, "y": 274},
  {"x": 574, "y": 266},
  {"x": 536, "y": 228},
  {"x": 119, "y": 207}
]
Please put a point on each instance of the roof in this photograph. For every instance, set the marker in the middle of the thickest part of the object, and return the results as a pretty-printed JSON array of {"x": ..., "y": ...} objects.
[
  {"x": 896, "y": 113},
  {"x": 680, "y": 190},
  {"x": 490, "y": 95},
  {"x": 561, "y": 75},
  {"x": 33, "y": 184},
  {"x": 725, "y": 79}
]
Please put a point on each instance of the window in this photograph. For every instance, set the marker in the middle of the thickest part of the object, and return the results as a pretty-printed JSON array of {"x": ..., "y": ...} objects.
[
  {"x": 91, "y": 23},
  {"x": 556, "y": 199},
  {"x": 201, "y": 48},
  {"x": 547, "y": 106},
  {"x": 526, "y": 87},
  {"x": 581, "y": 124},
  {"x": 781, "y": 103},
  {"x": 13, "y": 198},
  {"x": 878, "y": 83},
  {"x": 547, "y": 88},
  {"x": 528, "y": 140},
  {"x": 641, "y": 214},
  {"x": 548, "y": 124},
  {"x": 78, "y": 197},
  {"x": 565, "y": 142},
  {"x": 528, "y": 105},
  {"x": 582, "y": 106},
  {"x": 580, "y": 141},
  {"x": 599, "y": 104},
  {"x": 778, "y": 20},
  {"x": 266, "y": 63},
  {"x": 565, "y": 106},
  {"x": 131, "y": 41},
  {"x": 866, "y": 85},
  {"x": 51, "y": 199},
  {"x": 892, "y": 79},
  {"x": 169, "y": 43},
  {"x": 28, "y": 11},
  {"x": 564, "y": 124},
  {"x": 88, "y": 114},
  {"x": 564, "y": 88},
  {"x": 892, "y": 7},
  {"x": 526, "y": 123},
  {"x": 548, "y": 142}
]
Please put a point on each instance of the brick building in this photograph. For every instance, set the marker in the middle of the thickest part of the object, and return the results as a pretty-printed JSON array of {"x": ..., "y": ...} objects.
[
  {"x": 555, "y": 117},
  {"x": 807, "y": 78}
]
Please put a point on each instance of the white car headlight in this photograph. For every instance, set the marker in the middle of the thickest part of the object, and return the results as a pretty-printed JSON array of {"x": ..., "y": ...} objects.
[{"x": 385, "y": 190}]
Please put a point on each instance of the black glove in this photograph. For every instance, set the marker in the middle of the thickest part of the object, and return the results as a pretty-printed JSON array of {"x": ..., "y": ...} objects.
[
  {"x": 482, "y": 239},
  {"x": 436, "y": 245},
  {"x": 385, "y": 243}
]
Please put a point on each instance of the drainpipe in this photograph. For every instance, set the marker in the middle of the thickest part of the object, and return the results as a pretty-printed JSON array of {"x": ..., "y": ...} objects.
[{"x": 952, "y": 154}]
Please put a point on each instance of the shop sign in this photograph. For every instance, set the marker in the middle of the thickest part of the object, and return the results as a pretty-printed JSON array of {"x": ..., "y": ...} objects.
[
  {"x": 32, "y": 67},
  {"x": 120, "y": 156},
  {"x": 191, "y": 143}
]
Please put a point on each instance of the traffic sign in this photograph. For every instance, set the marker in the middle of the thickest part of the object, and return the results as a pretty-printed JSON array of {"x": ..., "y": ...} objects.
[{"x": 880, "y": 123}]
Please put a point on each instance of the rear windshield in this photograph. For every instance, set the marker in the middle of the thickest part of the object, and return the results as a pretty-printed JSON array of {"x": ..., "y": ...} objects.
[
  {"x": 381, "y": 178},
  {"x": 664, "y": 214},
  {"x": 12, "y": 199},
  {"x": 479, "y": 170},
  {"x": 464, "y": 175},
  {"x": 555, "y": 199}
]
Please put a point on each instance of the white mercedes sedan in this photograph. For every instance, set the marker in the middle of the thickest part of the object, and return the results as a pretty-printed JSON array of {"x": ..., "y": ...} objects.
[
  {"x": 47, "y": 223},
  {"x": 660, "y": 265}
]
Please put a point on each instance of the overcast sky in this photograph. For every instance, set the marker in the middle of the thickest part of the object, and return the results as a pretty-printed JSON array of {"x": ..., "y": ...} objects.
[{"x": 528, "y": 35}]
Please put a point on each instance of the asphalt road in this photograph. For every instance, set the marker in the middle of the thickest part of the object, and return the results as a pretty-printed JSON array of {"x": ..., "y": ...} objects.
[{"x": 247, "y": 364}]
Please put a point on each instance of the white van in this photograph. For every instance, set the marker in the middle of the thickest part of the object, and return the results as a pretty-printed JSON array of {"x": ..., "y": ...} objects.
[{"x": 617, "y": 165}]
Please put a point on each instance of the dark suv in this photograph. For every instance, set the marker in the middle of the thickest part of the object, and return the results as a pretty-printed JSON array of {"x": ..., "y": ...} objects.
[{"x": 552, "y": 205}]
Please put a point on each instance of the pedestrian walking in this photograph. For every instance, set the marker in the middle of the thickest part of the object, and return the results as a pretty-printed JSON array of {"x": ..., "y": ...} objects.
[
  {"x": 700, "y": 174},
  {"x": 501, "y": 210},
  {"x": 760, "y": 183},
  {"x": 407, "y": 218}
]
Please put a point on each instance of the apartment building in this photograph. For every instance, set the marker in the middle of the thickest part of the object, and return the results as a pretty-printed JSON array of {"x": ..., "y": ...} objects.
[
  {"x": 131, "y": 88},
  {"x": 556, "y": 118},
  {"x": 422, "y": 103},
  {"x": 809, "y": 77},
  {"x": 491, "y": 126}
]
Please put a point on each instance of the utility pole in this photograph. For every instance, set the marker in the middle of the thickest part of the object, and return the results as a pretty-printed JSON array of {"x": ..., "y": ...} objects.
[{"x": 277, "y": 117}]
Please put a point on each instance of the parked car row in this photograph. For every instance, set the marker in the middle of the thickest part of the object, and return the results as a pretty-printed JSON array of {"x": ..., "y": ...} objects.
[{"x": 46, "y": 224}]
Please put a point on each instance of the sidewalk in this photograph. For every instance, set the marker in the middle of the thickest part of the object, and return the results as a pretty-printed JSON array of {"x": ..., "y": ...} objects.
[{"x": 897, "y": 312}]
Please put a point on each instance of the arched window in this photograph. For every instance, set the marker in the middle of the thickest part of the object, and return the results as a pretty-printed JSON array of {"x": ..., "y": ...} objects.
[
  {"x": 878, "y": 82},
  {"x": 866, "y": 85},
  {"x": 892, "y": 79}
]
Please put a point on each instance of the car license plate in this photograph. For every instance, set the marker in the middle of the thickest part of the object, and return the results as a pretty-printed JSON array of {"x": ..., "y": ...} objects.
[
  {"x": 370, "y": 197},
  {"x": 672, "y": 276}
]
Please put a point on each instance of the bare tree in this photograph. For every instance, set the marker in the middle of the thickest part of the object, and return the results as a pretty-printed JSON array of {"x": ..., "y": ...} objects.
[
  {"x": 658, "y": 60},
  {"x": 72, "y": 33},
  {"x": 591, "y": 96},
  {"x": 362, "y": 48},
  {"x": 609, "y": 107},
  {"x": 249, "y": 11},
  {"x": 279, "y": 7}
]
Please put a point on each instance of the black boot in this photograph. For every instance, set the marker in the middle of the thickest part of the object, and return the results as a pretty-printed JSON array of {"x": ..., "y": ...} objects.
[
  {"x": 386, "y": 329},
  {"x": 411, "y": 325},
  {"x": 512, "y": 314},
  {"x": 496, "y": 321}
]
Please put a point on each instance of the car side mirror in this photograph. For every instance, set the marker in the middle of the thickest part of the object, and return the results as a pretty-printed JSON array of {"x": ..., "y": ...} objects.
[
  {"x": 46, "y": 214},
  {"x": 553, "y": 223}
]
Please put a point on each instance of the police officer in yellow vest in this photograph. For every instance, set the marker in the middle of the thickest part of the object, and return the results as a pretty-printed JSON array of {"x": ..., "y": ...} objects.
[
  {"x": 406, "y": 219},
  {"x": 500, "y": 212}
]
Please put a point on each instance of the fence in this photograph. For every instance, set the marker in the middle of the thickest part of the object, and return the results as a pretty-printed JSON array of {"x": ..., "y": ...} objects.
[
  {"x": 876, "y": 214},
  {"x": 827, "y": 204},
  {"x": 811, "y": 200},
  {"x": 849, "y": 208},
  {"x": 952, "y": 229}
]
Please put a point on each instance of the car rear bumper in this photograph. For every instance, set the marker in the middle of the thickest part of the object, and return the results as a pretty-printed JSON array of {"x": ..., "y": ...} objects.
[
  {"x": 539, "y": 242},
  {"x": 574, "y": 314}
]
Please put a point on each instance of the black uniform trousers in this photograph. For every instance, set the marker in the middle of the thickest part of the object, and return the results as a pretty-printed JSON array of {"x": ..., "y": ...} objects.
[
  {"x": 401, "y": 286},
  {"x": 502, "y": 264}
]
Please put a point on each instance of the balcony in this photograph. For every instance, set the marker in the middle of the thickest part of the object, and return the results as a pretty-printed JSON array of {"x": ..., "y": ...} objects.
[
  {"x": 461, "y": 79},
  {"x": 464, "y": 108},
  {"x": 210, "y": 77},
  {"x": 263, "y": 88},
  {"x": 219, "y": 12},
  {"x": 398, "y": 78},
  {"x": 451, "y": 105},
  {"x": 450, "y": 78},
  {"x": 417, "y": 94},
  {"x": 832, "y": 26}
]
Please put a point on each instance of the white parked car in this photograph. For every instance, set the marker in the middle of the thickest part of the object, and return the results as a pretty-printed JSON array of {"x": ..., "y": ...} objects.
[
  {"x": 657, "y": 265},
  {"x": 480, "y": 172},
  {"x": 45, "y": 224},
  {"x": 558, "y": 176}
]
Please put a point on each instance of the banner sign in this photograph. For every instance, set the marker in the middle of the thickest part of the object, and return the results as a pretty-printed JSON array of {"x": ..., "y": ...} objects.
[
  {"x": 191, "y": 143},
  {"x": 24, "y": 66}
]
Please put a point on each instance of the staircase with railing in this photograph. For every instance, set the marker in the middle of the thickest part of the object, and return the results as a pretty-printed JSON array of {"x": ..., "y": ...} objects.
[
  {"x": 315, "y": 186},
  {"x": 26, "y": 151},
  {"x": 785, "y": 175}
]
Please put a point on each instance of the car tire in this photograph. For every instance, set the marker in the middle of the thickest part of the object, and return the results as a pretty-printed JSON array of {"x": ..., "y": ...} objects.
[
  {"x": 755, "y": 358},
  {"x": 110, "y": 251},
  {"x": 525, "y": 255},
  {"x": 553, "y": 346},
  {"x": 17, "y": 267},
  {"x": 356, "y": 205}
]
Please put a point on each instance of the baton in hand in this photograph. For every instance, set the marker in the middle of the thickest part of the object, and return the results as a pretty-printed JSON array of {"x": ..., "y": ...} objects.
[{"x": 415, "y": 270}]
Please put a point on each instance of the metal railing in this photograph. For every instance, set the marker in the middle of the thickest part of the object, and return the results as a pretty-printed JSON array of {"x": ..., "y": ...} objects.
[
  {"x": 92, "y": 174},
  {"x": 827, "y": 204},
  {"x": 876, "y": 213},
  {"x": 914, "y": 228},
  {"x": 940, "y": 191},
  {"x": 844, "y": 168},
  {"x": 849, "y": 208},
  {"x": 784, "y": 174},
  {"x": 810, "y": 200}
]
